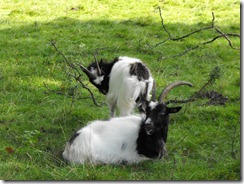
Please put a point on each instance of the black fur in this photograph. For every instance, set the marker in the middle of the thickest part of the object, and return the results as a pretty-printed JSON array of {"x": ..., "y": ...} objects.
[
  {"x": 139, "y": 70},
  {"x": 105, "y": 71},
  {"x": 150, "y": 146},
  {"x": 73, "y": 138},
  {"x": 153, "y": 145}
]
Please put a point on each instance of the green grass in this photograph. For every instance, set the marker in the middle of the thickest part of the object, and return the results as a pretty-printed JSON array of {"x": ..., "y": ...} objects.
[{"x": 203, "y": 142}]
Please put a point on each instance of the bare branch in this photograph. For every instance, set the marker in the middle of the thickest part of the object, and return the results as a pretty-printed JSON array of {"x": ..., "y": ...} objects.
[
  {"x": 181, "y": 101},
  {"x": 213, "y": 19},
  {"x": 197, "y": 46},
  {"x": 78, "y": 79},
  {"x": 76, "y": 69},
  {"x": 184, "y": 36},
  {"x": 58, "y": 51},
  {"x": 162, "y": 20},
  {"x": 220, "y": 35},
  {"x": 226, "y": 37}
]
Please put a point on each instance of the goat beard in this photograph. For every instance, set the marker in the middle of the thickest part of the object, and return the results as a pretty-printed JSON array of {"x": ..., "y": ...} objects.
[{"x": 158, "y": 146}]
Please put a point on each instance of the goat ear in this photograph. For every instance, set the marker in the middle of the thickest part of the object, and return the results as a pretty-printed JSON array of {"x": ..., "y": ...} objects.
[{"x": 173, "y": 109}]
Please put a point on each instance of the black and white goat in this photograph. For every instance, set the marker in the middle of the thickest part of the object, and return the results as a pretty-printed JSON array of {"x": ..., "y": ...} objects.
[
  {"x": 126, "y": 82},
  {"x": 129, "y": 139}
]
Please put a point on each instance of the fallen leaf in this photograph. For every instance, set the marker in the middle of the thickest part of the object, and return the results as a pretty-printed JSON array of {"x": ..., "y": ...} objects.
[{"x": 10, "y": 150}]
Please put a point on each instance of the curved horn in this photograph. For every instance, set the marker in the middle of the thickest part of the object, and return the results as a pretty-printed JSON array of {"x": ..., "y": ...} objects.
[
  {"x": 154, "y": 91},
  {"x": 170, "y": 87},
  {"x": 87, "y": 72}
]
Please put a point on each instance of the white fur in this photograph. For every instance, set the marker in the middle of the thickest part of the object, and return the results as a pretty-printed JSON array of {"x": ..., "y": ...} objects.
[
  {"x": 148, "y": 121},
  {"x": 108, "y": 142},
  {"x": 125, "y": 89},
  {"x": 152, "y": 105},
  {"x": 99, "y": 80},
  {"x": 93, "y": 71}
]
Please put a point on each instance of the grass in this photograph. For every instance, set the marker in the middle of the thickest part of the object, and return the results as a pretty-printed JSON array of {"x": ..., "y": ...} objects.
[{"x": 204, "y": 141}]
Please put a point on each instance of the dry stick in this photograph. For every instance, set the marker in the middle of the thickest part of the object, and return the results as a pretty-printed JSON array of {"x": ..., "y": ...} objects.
[
  {"x": 196, "y": 47},
  {"x": 77, "y": 78},
  {"x": 225, "y": 35},
  {"x": 182, "y": 37},
  {"x": 71, "y": 65}
]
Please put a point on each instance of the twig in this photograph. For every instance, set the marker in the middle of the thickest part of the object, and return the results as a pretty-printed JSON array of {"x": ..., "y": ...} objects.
[
  {"x": 77, "y": 78},
  {"x": 65, "y": 59},
  {"x": 162, "y": 20},
  {"x": 221, "y": 35},
  {"x": 182, "y": 37},
  {"x": 226, "y": 37},
  {"x": 181, "y": 101}
]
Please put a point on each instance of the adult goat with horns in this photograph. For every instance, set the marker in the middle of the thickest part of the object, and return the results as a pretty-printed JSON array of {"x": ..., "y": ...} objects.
[
  {"x": 129, "y": 139},
  {"x": 126, "y": 82}
]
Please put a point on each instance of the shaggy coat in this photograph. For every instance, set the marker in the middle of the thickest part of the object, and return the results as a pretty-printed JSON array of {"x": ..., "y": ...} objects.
[
  {"x": 129, "y": 139},
  {"x": 126, "y": 82}
]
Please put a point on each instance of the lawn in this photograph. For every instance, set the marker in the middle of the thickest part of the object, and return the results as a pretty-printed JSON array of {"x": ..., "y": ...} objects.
[{"x": 41, "y": 106}]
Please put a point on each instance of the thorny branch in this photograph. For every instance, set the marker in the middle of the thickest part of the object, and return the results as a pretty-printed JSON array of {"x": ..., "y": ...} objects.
[
  {"x": 212, "y": 26},
  {"x": 77, "y": 71}
]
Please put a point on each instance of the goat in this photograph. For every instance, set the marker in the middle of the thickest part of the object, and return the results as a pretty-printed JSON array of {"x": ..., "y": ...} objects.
[
  {"x": 129, "y": 139},
  {"x": 126, "y": 82}
]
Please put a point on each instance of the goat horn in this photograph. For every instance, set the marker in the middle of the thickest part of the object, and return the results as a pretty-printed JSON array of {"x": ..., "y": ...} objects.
[
  {"x": 170, "y": 87},
  {"x": 87, "y": 72},
  {"x": 154, "y": 91},
  {"x": 98, "y": 68}
]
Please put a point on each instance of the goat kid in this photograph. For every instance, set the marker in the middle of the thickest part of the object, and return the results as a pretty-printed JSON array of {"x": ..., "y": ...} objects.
[
  {"x": 129, "y": 139},
  {"x": 126, "y": 82}
]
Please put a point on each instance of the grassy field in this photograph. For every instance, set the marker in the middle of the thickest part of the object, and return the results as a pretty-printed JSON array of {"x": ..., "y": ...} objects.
[{"x": 35, "y": 122}]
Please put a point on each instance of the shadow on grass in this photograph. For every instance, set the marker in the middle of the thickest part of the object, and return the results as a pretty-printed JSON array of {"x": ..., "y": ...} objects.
[
  {"x": 77, "y": 38},
  {"x": 27, "y": 55},
  {"x": 26, "y": 51}
]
